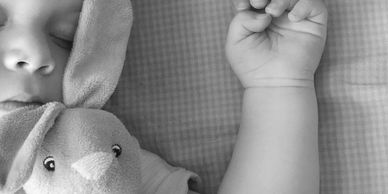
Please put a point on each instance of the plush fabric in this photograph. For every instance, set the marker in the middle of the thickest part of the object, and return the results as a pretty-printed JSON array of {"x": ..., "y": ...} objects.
[
  {"x": 97, "y": 58},
  {"x": 21, "y": 134},
  {"x": 78, "y": 145},
  {"x": 79, "y": 148},
  {"x": 158, "y": 177},
  {"x": 183, "y": 101}
]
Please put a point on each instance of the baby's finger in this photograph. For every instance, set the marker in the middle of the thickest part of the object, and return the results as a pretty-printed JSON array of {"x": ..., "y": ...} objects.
[
  {"x": 258, "y": 23},
  {"x": 277, "y": 7},
  {"x": 259, "y": 4},
  {"x": 246, "y": 23},
  {"x": 313, "y": 10},
  {"x": 241, "y": 4}
]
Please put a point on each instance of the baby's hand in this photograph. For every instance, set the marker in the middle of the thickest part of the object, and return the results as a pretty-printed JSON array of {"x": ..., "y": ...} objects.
[{"x": 278, "y": 46}]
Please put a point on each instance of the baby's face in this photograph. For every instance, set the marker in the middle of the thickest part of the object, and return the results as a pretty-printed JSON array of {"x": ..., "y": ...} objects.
[{"x": 35, "y": 42}]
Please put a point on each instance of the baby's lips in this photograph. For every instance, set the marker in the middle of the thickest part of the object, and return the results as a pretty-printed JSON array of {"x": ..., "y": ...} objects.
[
  {"x": 20, "y": 100},
  {"x": 25, "y": 97}
]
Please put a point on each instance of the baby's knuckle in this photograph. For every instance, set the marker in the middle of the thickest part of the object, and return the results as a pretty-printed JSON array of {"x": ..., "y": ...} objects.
[
  {"x": 322, "y": 6},
  {"x": 258, "y": 3},
  {"x": 319, "y": 8}
]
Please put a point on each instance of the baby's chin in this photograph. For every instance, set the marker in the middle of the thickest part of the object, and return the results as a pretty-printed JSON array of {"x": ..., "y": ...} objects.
[{"x": 6, "y": 109}]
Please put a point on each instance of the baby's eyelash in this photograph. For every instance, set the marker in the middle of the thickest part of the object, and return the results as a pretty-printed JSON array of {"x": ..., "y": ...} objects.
[
  {"x": 67, "y": 34},
  {"x": 62, "y": 42}
]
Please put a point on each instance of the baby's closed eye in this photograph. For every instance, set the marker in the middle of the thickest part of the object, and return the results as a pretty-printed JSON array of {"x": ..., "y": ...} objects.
[
  {"x": 65, "y": 43},
  {"x": 62, "y": 32}
]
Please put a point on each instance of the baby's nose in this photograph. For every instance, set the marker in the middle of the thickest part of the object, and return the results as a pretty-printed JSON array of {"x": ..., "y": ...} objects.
[
  {"x": 93, "y": 166},
  {"x": 25, "y": 48},
  {"x": 17, "y": 60}
]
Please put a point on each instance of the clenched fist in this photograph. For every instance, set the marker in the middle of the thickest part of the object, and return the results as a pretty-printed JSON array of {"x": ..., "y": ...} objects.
[{"x": 277, "y": 42}]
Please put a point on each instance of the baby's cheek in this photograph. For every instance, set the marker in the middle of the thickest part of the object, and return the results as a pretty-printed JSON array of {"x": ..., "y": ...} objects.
[
  {"x": 7, "y": 83},
  {"x": 3, "y": 82},
  {"x": 54, "y": 91}
]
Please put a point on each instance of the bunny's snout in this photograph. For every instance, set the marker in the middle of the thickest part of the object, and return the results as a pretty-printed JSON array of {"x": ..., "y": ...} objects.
[{"x": 93, "y": 166}]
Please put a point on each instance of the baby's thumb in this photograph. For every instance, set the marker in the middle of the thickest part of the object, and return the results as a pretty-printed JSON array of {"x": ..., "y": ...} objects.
[{"x": 247, "y": 23}]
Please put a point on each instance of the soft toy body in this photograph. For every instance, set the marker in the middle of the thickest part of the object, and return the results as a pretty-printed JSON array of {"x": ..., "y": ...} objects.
[
  {"x": 78, "y": 150},
  {"x": 86, "y": 151}
]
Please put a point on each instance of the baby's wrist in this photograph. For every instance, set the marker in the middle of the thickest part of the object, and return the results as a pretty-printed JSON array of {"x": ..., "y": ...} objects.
[
  {"x": 280, "y": 82},
  {"x": 279, "y": 76},
  {"x": 278, "y": 72}
]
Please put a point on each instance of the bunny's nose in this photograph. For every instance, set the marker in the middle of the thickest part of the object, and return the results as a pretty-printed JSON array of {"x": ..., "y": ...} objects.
[{"x": 93, "y": 166}]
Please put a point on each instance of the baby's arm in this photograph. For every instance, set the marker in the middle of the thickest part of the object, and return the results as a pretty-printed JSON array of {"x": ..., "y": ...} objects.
[{"x": 275, "y": 59}]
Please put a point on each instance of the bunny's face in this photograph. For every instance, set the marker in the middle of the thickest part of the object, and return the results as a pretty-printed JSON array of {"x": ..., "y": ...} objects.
[{"x": 87, "y": 151}]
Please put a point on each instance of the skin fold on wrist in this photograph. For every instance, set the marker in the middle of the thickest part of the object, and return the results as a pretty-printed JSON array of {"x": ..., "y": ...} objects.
[{"x": 280, "y": 82}]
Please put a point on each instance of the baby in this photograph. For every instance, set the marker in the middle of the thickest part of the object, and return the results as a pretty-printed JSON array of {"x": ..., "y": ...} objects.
[{"x": 274, "y": 54}]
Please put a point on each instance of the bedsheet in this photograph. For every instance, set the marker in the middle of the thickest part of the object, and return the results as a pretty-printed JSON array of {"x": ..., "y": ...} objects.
[
  {"x": 351, "y": 85},
  {"x": 177, "y": 91},
  {"x": 180, "y": 98}
]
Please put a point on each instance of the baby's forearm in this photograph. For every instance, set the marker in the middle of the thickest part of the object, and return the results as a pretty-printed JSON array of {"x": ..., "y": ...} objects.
[{"x": 277, "y": 145}]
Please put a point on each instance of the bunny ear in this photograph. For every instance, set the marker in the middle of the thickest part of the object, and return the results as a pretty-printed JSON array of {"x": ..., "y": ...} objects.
[
  {"x": 98, "y": 55},
  {"x": 21, "y": 135}
]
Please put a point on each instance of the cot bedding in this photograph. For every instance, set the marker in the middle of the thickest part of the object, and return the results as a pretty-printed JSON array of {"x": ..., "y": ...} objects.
[
  {"x": 353, "y": 100},
  {"x": 177, "y": 91},
  {"x": 181, "y": 100}
]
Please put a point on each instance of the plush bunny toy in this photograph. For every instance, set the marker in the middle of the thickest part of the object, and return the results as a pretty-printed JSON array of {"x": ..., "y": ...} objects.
[
  {"x": 78, "y": 150},
  {"x": 81, "y": 151},
  {"x": 86, "y": 151}
]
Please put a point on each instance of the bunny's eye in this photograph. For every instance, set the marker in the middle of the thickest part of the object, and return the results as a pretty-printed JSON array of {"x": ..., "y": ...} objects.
[
  {"x": 117, "y": 150},
  {"x": 49, "y": 163}
]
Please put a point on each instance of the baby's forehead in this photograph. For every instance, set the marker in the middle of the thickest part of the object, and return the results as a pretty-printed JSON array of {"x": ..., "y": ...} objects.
[{"x": 40, "y": 6}]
